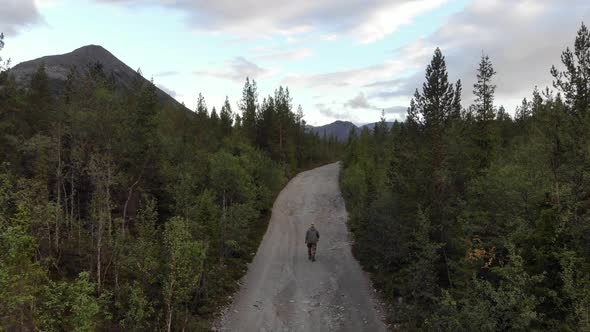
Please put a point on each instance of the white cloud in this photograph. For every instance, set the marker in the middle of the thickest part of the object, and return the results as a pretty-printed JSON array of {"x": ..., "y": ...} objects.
[
  {"x": 328, "y": 112},
  {"x": 399, "y": 111},
  {"x": 360, "y": 101},
  {"x": 18, "y": 14},
  {"x": 523, "y": 39},
  {"x": 237, "y": 69},
  {"x": 387, "y": 19},
  {"x": 167, "y": 73},
  {"x": 406, "y": 59},
  {"x": 170, "y": 92},
  {"x": 367, "y": 20}
]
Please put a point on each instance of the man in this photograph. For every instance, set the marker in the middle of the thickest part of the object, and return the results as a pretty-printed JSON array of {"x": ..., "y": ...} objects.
[{"x": 311, "y": 239}]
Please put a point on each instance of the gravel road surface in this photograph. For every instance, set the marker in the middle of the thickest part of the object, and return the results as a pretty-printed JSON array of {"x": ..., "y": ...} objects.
[{"x": 283, "y": 290}]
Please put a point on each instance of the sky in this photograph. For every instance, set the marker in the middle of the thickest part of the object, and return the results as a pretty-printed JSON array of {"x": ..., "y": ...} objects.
[{"x": 341, "y": 59}]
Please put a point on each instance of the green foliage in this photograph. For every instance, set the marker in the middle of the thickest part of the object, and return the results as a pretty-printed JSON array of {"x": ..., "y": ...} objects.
[
  {"x": 573, "y": 82},
  {"x": 249, "y": 105},
  {"x": 226, "y": 118},
  {"x": 484, "y": 90},
  {"x": 84, "y": 305},
  {"x": 20, "y": 276},
  {"x": 185, "y": 258},
  {"x": 3, "y": 65},
  {"x": 433, "y": 106},
  {"x": 576, "y": 289},
  {"x": 70, "y": 306},
  {"x": 119, "y": 212},
  {"x": 472, "y": 221},
  {"x": 229, "y": 179},
  {"x": 139, "y": 310}
]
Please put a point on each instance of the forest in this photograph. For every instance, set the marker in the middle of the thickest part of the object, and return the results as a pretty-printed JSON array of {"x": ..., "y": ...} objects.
[
  {"x": 470, "y": 219},
  {"x": 119, "y": 212}
]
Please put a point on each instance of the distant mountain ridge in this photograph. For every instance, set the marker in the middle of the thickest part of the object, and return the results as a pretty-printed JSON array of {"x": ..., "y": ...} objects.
[
  {"x": 341, "y": 129},
  {"x": 58, "y": 67}
]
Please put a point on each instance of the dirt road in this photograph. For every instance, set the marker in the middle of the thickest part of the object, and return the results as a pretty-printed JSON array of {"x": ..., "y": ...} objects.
[{"x": 283, "y": 290}]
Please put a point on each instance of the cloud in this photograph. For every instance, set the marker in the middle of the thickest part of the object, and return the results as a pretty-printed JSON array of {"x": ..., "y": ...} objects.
[
  {"x": 329, "y": 113},
  {"x": 237, "y": 70},
  {"x": 167, "y": 73},
  {"x": 18, "y": 14},
  {"x": 403, "y": 87},
  {"x": 522, "y": 37},
  {"x": 391, "y": 17},
  {"x": 363, "y": 103},
  {"x": 170, "y": 92},
  {"x": 409, "y": 58},
  {"x": 366, "y": 20},
  {"x": 388, "y": 83},
  {"x": 523, "y": 40},
  {"x": 352, "y": 77},
  {"x": 397, "y": 110},
  {"x": 360, "y": 101}
]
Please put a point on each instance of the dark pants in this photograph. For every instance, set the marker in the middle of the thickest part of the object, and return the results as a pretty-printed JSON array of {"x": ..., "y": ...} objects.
[{"x": 311, "y": 247}]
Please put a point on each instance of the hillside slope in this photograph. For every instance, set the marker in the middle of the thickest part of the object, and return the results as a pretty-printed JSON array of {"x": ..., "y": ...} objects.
[{"x": 59, "y": 66}]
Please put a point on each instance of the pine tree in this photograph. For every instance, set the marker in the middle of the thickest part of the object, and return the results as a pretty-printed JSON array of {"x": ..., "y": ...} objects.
[
  {"x": 248, "y": 105},
  {"x": 3, "y": 66},
  {"x": 457, "y": 108},
  {"x": 226, "y": 117},
  {"x": 537, "y": 102},
  {"x": 380, "y": 130},
  {"x": 266, "y": 120},
  {"x": 432, "y": 107},
  {"x": 300, "y": 135},
  {"x": 502, "y": 114},
  {"x": 283, "y": 106},
  {"x": 574, "y": 82},
  {"x": 484, "y": 91},
  {"x": 214, "y": 117},
  {"x": 431, "y": 110},
  {"x": 484, "y": 111},
  {"x": 202, "y": 114},
  {"x": 523, "y": 112}
]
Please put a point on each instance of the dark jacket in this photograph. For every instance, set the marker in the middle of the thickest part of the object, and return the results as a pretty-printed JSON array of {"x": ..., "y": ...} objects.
[{"x": 312, "y": 236}]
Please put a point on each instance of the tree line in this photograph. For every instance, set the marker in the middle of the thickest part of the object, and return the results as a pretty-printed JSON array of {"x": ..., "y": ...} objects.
[
  {"x": 472, "y": 220},
  {"x": 120, "y": 212}
]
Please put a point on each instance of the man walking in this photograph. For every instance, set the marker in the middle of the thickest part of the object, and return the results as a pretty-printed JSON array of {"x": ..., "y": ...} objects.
[{"x": 312, "y": 236}]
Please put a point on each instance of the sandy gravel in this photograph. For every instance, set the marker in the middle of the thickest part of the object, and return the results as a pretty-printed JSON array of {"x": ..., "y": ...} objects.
[{"x": 283, "y": 290}]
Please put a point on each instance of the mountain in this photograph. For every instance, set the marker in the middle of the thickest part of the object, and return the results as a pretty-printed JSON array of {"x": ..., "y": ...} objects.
[
  {"x": 58, "y": 67},
  {"x": 341, "y": 129}
]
